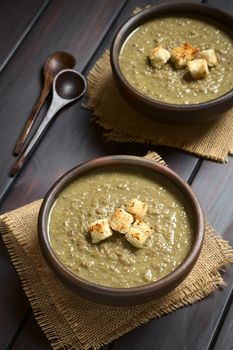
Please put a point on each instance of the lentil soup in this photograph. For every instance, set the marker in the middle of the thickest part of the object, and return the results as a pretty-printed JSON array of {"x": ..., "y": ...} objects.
[
  {"x": 114, "y": 262},
  {"x": 168, "y": 84}
]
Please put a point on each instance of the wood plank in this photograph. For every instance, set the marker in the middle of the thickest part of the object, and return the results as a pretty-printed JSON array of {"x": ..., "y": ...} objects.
[
  {"x": 225, "y": 339},
  {"x": 182, "y": 163},
  {"x": 225, "y": 5},
  {"x": 31, "y": 337},
  {"x": 12, "y": 299},
  {"x": 47, "y": 35},
  {"x": 222, "y": 219},
  {"x": 17, "y": 18},
  {"x": 216, "y": 200}
]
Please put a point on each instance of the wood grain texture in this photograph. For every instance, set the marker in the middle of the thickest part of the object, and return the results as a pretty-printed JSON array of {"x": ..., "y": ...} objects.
[
  {"x": 225, "y": 5},
  {"x": 217, "y": 202},
  {"x": 31, "y": 337},
  {"x": 17, "y": 18},
  {"x": 220, "y": 211},
  {"x": 225, "y": 339},
  {"x": 182, "y": 163},
  {"x": 12, "y": 299}
]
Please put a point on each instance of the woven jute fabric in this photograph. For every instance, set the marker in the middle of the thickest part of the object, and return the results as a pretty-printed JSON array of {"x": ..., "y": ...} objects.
[
  {"x": 122, "y": 123},
  {"x": 71, "y": 322}
]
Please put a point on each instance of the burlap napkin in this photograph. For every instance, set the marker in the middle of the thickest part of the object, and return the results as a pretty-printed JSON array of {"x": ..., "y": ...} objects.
[
  {"x": 71, "y": 322},
  {"x": 213, "y": 140}
]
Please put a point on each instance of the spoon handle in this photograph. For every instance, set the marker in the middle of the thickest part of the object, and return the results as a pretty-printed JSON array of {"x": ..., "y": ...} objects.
[
  {"x": 31, "y": 120},
  {"x": 25, "y": 155}
]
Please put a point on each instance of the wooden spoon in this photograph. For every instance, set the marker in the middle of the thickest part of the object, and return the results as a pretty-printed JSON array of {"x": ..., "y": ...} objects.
[
  {"x": 68, "y": 86},
  {"x": 54, "y": 64}
]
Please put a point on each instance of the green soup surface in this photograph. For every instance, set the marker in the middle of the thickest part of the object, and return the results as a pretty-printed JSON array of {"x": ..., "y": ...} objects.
[
  {"x": 169, "y": 84},
  {"x": 115, "y": 262}
]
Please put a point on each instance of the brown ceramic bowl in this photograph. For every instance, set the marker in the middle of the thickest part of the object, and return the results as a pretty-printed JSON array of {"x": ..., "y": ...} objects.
[
  {"x": 161, "y": 111},
  {"x": 120, "y": 296}
]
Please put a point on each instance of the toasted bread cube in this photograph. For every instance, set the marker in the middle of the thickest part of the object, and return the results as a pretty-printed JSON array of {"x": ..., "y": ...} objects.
[
  {"x": 137, "y": 208},
  {"x": 138, "y": 234},
  {"x": 121, "y": 221},
  {"x": 159, "y": 56},
  {"x": 198, "y": 68},
  {"x": 100, "y": 230},
  {"x": 141, "y": 225},
  {"x": 181, "y": 55},
  {"x": 210, "y": 56}
]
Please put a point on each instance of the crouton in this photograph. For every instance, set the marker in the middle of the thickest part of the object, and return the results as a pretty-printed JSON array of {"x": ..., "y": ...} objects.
[
  {"x": 210, "y": 56},
  {"x": 121, "y": 220},
  {"x": 140, "y": 225},
  {"x": 159, "y": 56},
  {"x": 100, "y": 230},
  {"x": 198, "y": 68},
  {"x": 181, "y": 55},
  {"x": 137, "y": 208},
  {"x": 138, "y": 234}
]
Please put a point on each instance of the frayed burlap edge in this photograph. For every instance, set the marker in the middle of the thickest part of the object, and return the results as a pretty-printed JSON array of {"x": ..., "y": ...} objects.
[
  {"x": 18, "y": 247},
  {"x": 216, "y": 144}
]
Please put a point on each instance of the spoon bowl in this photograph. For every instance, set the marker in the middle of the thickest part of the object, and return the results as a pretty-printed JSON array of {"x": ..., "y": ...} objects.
[
  {"x": 57, "y": 62},
  {"x": 70, "y": 85}
]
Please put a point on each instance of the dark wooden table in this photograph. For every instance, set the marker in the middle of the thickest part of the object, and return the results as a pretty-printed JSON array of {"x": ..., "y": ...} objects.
[{"x": 29, "y": 31}]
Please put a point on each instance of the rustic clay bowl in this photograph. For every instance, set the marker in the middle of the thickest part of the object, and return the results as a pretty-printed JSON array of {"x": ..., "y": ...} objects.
[
  {"x": 120, "y": 296},
  {"x": 157, "y": 110}
]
